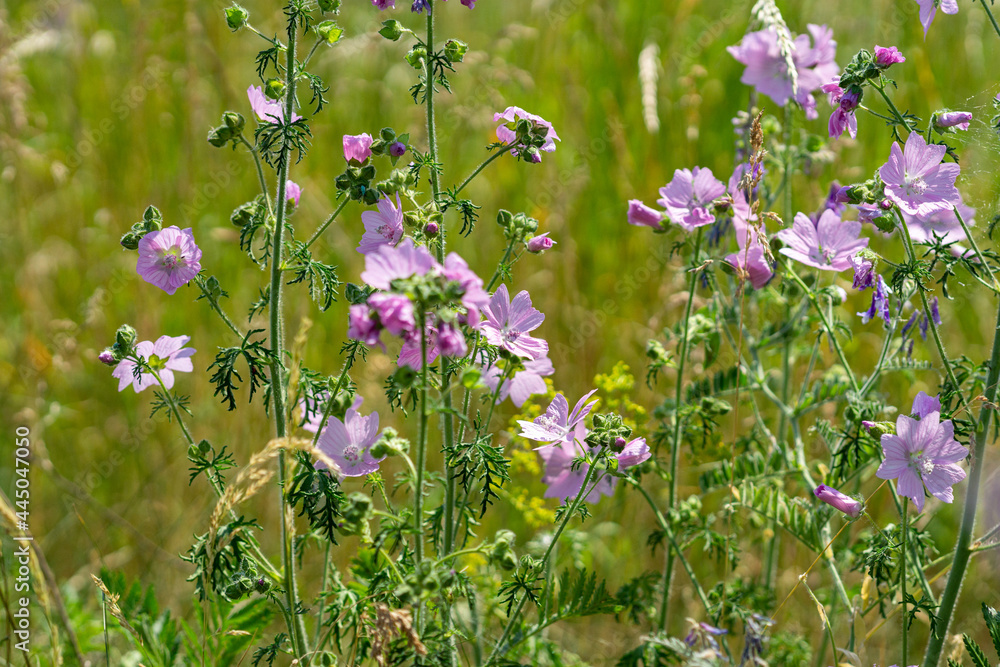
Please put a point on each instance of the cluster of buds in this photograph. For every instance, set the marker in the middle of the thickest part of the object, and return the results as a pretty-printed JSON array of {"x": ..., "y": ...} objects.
[
  {"x": 152, "y": 221},
  {"x": 231, "y": 129},
  {"x": 245, "y": 580},
  {"x": 356, "y": 181},
  {"x": 516, "y": 227},
  {"x": 251, "y": 211},
  {"x": 390, "y": 144},
  {"x": 390, "y": 444},
  {"x": 124, "y": 346},
  {"x": 422, "y": 582},
  {"x": 502, "y": 553}
]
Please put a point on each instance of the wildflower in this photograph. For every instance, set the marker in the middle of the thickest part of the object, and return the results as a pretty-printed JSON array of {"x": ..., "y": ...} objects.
[
  {"x": 165, "y": 356},
  {"x": 267, "y": 111},
  {"x": 916, "y": 180},
  {"x": 868, "y": 212},
  {"x": 688, "y": 196},
  {"x": 752, "y": 263},
  {"x": 644, "y": 216},
  {"x": 958, "y": 119},
  {"x": 509, "y": 136},
  {"x": 431, "y": 229},
  {"x": 395, "y": 312},
  {"x": 558, "y": 422},
  {"x": 767, "y": 70},
  {"x": 397, "y": 149},
  {"x": 929, "y": 7},
  {"x": 522, "y": 385},
  {"x": 827, "y": 245},
  {"x": 420, "y": 5},
  {"x": 887, "y": 55},
  {"x": 749, "y": 261},
  {"x": 540, "y": 243},
  {"x": 292, "y": 192},
  {"x": 864, "y": 273},
  {"x": 389, "y": 263},
  {"x": 384, "y": 4},
  {"x": 941, "y": 224},
  {"x": 349, "y": 442},
  {"x": 357, "y": 147},
  {"x": 837, "y": 500},
  {"x": 564, "y": 482},
  {"x": 923, "y": 405},
  {"x": 880, "y": 303},
  {"x": 474, "y": 297},
  {"x": 451, "y": 341},
  {"x": 704, "y": 635},
  {"x": 923, "y": 453},
  {"x": 633, "y": 453},
  {"x": 168, "y": 258},
  {"x": 411, "y": 354},
  {"x": 313, "y": 418},
  {"x": 508, "y": 322},
  {"x": 362, "y": 326},
  {"x": 383, "y": 227}
]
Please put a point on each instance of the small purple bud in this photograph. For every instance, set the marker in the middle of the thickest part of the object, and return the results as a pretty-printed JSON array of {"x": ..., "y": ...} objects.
[
  {"x": 644, "y": 216},
  {"x": 619, "y": 444},
  {"x": 431, "y": 229},
  {"x": 107, "y": 357},
  {"x": 837, "y": 500},
  {"x": 540, "y": 243},
  {"x": 842, "y": 195},
  {"x": 923, "y": 327},
  {"x": 868, "y": 425},
  {"x": 909, "y": 323},
  {"x": 885, "y": 204},
  {"x": 888, "y": 55},
  {"x": 935, "y": 313},
  {"x": 398, "y": 149},
  {"x": 959, "y": 119}
]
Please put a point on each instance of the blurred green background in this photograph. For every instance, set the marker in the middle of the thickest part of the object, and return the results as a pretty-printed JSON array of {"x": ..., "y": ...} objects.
[{"x": 104, "y": 110}]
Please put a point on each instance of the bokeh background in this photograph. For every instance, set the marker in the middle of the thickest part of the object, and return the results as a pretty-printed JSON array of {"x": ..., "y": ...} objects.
[{"x": 104, "y": 108}]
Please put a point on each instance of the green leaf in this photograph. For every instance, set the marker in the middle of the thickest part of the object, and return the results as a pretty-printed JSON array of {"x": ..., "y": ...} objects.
[
  {"x": 992, "y": 617},
  {"x": 976, "y": 653}
]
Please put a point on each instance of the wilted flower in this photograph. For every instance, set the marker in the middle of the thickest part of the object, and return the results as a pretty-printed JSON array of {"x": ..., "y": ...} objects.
[
  {"x": 165, "y": 356},
  {"x": 834, "y": 498},
  {"x": 688, "y": 196},
  {"x": 644, "y": 216},
  {"x": 828, "y": 245},
  {"x": 880, "y": 303},
  {"x": 349, "y": 442},
  {"x": 382, "y": 227},
  {"x": 168, "y": 258},
  {"x": 923, "y": 453},
  {"x": 916, "y": 180},
  {"x": 357, "y": 147},
  {"x": 509, "y": 321}
]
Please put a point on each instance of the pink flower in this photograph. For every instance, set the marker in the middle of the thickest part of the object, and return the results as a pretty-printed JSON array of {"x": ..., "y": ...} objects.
[
  {"x": 923, "y": 405},
  {"x": 165, "y": 356},
  {"x": 941, "y": 223},
  {"x": 349, "y": 442},
  {"x": 168, "y": 258},
  {"x": 558, "y": 422},
  {"x": 923, "y": 453},
  {"x": 916, "y": 180},
  {"x": 887, "y": 55},
  {"x": 767, "y": 70},
  {"x": 451, "y": 341},
  {"x": 509, "y": 136},
  {"x": 383, "y": 227},
  {"x": 827, "y": 245},
  {"x": 837, "y": 500},
  {"x": 389, "y": 263},
  {"x": 357, "y": 147},
  {"x": 362, "y": 326},
  {"x": 508, "y": 323},
  {"x": 524, "y": 384},
  {"x": 411, "y": 353},
  {"x": 540, "y": 243},
  {"x": 395, "y": 312},
  {"x": 689, "y": 195},
  {"x": 750, "y": 262},
  {"x": 474, "y": 297},
  {"x": 384, "y": 4},
  {"x": 267, "y": 111},
  {"x": 312, "y": 418},
  {"x": 929, "y": 7},
  {"x": 644, "y": 216},
  {"x": 958, "y": 119},
  {"x": 564, "y": 482},
  {"x": 634, "y": 453},
  {"x": 293, "y": 192}
]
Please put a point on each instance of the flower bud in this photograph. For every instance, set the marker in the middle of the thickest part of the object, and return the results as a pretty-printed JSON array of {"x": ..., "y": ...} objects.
[
  {"x": 431, "y": 229},
  {"x": 956, "y": 119},
  {"x": 220, "y": 136},
  {"x": 885, "y": 204},
  {"x": 204, "y": 447},
  {"x": 329, "y": 32},
  {"x": 538, "y": 244},
  {"x": 416, "y": 57},
  {"x": 235, "y": 591},
  {"x": 274, "y": 89},
  {"x": 357, "y": 508},
  {"x": 130, "y": 240},
  {"x": 107, "y": 356},
  {"x": 152, "y": 215},
  {"x": 397, "y": 149},
  {"x": 243, "y": 214},
  {"x": 125, "y": 339},
  {"x": 504, "y": 218},
  {"x": 878, "y": 429},
  {"x": 391, "y": 30},
  {"x": 834, "y": 498},
  {"x": 262, "y": 585},
  {"x": 380, "y": 450},
  {"x": 236, "y": 17},
  {"x": 234, "y": 121},
  {"x": 455, "y": 50}
]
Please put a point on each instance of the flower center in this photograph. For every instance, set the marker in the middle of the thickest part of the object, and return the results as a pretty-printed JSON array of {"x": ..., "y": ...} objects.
[
  {"x": 352, "y": 453},
  {"x": 915, "y": 186},
  {"x": 156, "y": 363},
  {"x": 823, "y": 255},
  {"x": 171, "y": 258},
  {"x": 509, "y": 336},
  {"x": 386, "y": 231},
  {"x": 921, "y": 464}
]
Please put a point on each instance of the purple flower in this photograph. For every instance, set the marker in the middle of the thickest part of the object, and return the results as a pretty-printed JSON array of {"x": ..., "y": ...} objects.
[
  {"x": 383, "y": 227},
  {"x": 474, "y": 297},
  {"x": 451, "y": 341},
  {"x": 880, "y": 303},
  {"x": 540, "y": 243},
  {"x": 389, "y": 263},
  {"x": 843, "y": 117},
  {"x": 349, "y": 442},
  {"x": 644, "y": 216},
  {"x": 923, "y": 405},
  {"x": 634, "y": 453},
  {"x": 362, "y": 326},
  {"x": 165, "y": 356},
  {"x": 827, "y": 245},
  {"x": 411, "y": 353},
  {"x": 357, "y": 147},
  {"x": 868, "y": 212},
  {"x": 767, "y": 70},
  {"x": 558, "y": 422},
  {"x": 431, "y": 229},
  {"x": 168, "y": 258},
  {"x": 524, "y": 384},
  {"x": 509, "y": 136},
  {"x": 864, "y": 274},
  {"x": 312, "y": 418},
  {"x": 923, "y": 453},
  {"x": 839, "y": 501},
  {"x": 397, "y": 149},
  {"x": 752, "y": 264},
  {"x": 292, "y": 192},
  {"x": 941, "y": 223},
  {"x": 395, "y": 312},
  {"x": 564, "y": 482},
  {"x": 958, "y": 119},
  {"x": 384, "y": 4},
  {"x": 107, "y": 357},
  {"x": 887, "y": 55},
  {"x": 688, "y": 196},
  {"x": 841, "y": 120},
  {"x": 929, "y": 7},
  {"x": 419, "y": 6},
  {"x": 508, "y": 323},
  {"x": 267, "y": 111},
  {"x": 916, "y": 180}
]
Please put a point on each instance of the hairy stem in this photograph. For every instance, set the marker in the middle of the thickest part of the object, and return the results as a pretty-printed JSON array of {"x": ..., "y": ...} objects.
[{"x": 326, "y": 223}]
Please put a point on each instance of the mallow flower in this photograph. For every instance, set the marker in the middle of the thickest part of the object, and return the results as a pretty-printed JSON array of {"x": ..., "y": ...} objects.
[
  {"x": 887, "y": 55},
  {"x": 941, "y": 223},
  {"x": 558, "y": 421},
  {"x": 509, "y": 321},
  {"x": 689, "y": 196},
  {"x": 382, "y": 227},
  {"x": 928, "y": 8},
  {"x": 923, "y": 453},
  {"x": 956, "y": 119},
  {"x": 924, "y": 404},
  {"x": 916, "y": 180},
  {"x": 751, "y": 260},
  {"x": 852, "y": 507},
  {"x": 827, "y": 245},
  {"x": 165, "y": 356},
  {"x": 509, "y": 136},
  {"x": 565, "y": 483},
  {"x": 349, "y": 442},
  {"x": 633, "y": 453},
  {"x": 524, "y": 383},
  {"x": 266, "y": 110},
  {"x": 293, "y": 192},
  {"x": 168, "y": 258},
  {"x": 641, "y": 215},
  {"x": 357, "y": 147}
]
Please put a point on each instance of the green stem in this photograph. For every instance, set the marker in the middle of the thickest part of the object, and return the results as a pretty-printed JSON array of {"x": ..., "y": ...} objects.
[
  {"x": 975, "y": 249},
  {"x": 214, "y": 303},
  {"x": 826, "y": 327},
  {"x": 962, "y": 548},
  {"x": 482, "y": 165},
  {"x": 902, "y": 575},
  {"x": 500, "y": 646},
  {"x": 296, "y": 628},
  {"x": 676, "y": 441},
  {"x": 993, "y": 19},
  {"x": 260, "y": 171},
  {"x": 432, "y": 150},
  {"x": 892, "y": 107},
  {"x": 326, "y": 223},
  {"x": 421, "y": 463}
]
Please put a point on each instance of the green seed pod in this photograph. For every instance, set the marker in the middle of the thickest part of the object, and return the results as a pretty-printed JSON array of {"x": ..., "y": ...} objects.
[
  {"x": 274, "y": 89},
  {"x": 391, "y": 30},
  {"x": 455, "y": 50},
  {"x": 236, "y": 17},
  {"x": 329, "y": 32}
]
